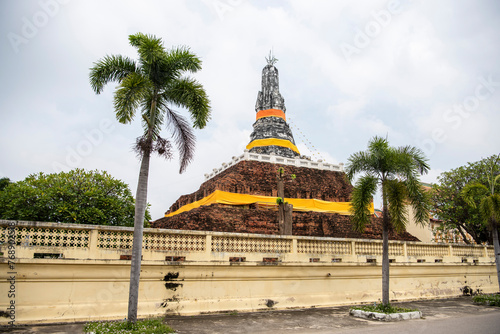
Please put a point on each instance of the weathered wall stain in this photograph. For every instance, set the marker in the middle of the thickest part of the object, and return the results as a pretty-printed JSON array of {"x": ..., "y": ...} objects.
[
  {"x": 174, "y": 299},
  {"x": 172, "y": 286},
  {"x": 172, "y": 277}
]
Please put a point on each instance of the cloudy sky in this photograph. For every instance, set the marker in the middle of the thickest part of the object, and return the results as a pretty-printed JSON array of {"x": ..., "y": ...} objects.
[{"x": 423, "y": 73}]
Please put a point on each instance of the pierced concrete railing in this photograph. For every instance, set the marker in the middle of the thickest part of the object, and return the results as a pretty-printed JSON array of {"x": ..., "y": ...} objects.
[
  {"x": 297, "y": 162},
  {"x": 32, "y": 240}
]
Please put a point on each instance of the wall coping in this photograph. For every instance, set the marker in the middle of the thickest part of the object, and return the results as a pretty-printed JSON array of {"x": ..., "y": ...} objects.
[
  {"x": 53, "y": 225},
  {"x": 25, "y": 223}
]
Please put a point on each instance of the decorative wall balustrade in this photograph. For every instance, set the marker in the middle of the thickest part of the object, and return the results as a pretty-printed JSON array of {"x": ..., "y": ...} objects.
[{"x": 73, "y": 241}]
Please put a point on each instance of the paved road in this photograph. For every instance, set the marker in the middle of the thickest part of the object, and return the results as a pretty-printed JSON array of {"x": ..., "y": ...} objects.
[
  {"x": 483, "y": 323},
  {"x": 458, "y": 315}
]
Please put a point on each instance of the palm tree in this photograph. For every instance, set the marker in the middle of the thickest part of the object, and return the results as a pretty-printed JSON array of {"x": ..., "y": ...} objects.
[
  {"x": 489, "y": 206},
  {"x": 396, "y": 171},
  {"x": 152, "y": 85}
]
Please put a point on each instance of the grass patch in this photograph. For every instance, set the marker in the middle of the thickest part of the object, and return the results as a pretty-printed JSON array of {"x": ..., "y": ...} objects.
[
  {"x": 381, "y": 308},
  {"x": 147, "y": 326},
  {"x": 490, "y": 300}
]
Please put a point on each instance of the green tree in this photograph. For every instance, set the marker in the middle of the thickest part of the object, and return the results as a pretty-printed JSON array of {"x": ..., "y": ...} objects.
[
  {"x": 78, "y": 196},
  {"x": 396, "y": 171},
  {"x": 489, "y": 204},
  {"x": 4, "y": 182},
  {"x": 153, "y": 84},
  {"x": 452, "y": 208}
]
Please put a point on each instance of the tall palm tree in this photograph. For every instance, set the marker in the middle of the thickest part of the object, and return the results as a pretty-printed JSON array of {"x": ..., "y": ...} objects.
[
  {"x": 396, "y": 172},
  {"x": 152, "y": 84},
  {"x": 489, "y": 206}
]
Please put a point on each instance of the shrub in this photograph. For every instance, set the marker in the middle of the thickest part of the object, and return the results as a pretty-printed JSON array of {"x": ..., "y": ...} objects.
[
  {"x": 381, "y": 308},
  {"x": 490, "y": 300},
  {"x": 147, "y": 326}
]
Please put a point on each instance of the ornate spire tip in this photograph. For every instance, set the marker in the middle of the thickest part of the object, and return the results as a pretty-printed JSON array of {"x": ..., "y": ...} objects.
[{"x": 271, "y": 60}]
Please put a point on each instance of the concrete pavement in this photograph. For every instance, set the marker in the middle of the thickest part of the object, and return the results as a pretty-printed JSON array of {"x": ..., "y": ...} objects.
[{"x": 457, "y": 315}]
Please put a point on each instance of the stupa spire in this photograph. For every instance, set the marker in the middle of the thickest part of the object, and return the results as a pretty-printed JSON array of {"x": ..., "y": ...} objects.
[{"x": 271, "y": 132}]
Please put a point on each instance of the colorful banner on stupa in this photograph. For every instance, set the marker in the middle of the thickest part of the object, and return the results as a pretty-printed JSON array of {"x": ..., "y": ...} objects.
[{"x": 299, "y": 204}]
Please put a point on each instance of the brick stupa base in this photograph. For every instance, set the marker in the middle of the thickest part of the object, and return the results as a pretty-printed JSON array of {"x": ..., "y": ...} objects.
[
  {"x": 249, "y": 219},
  {"x": 259, "y": 178}
]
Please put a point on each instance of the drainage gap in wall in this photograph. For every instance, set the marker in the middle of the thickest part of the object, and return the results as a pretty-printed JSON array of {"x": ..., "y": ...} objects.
[
  {"x": 336, "y": 260},
  {"x": 175, "y": 258},
  {"x": 392, "y": 260},
  {"x": 237, "y": 259},
  {"x": 270, "y": 303},
  {"x": 464, "y": 260},
  {"x": 48, "y": 256},
  {"x": 314, "y": 259},
  {"x": 371, "y": 260},
  {"x": 270, "y": 261},
  {"x": 438, "y": 260},
  {"x": 128, "y": 257},
  {"x": 420, "y": 260}
]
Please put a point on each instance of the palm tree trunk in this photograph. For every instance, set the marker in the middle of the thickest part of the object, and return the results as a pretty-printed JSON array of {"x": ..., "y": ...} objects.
[
  {"x": 496, "y": 247},
  {"x": 385, "y": 256},
  {"x": 140, "y": 210}
]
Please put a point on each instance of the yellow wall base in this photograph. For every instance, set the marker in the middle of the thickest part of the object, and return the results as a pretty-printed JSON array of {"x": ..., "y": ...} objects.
[{"x": 48, "y": 292}]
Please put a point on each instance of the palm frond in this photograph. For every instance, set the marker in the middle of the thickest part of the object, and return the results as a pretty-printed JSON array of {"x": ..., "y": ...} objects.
[
  {"x": 495, "y": 181},
  {"x": 188, "y": 93},
  {"x": 378, "y": 144},
  {"x": 108, "y": 69},
  {"x": 129, "y": 95},
  {"x": 472, "y": 190},
  {"x": 181, "y": 59},
  {"x": 149, "y": 47},
  {"x": 152, "y": 57},
  {"x": 361, "y": 198},
  {"x": 357, "y": 163},
  {"x": 396, "y": 193},
  {"x": 490, "y": 210},
  {"x": 183, "y": 136},
  {"x": 419, "y": 199},
  {"x": 419, "y": 162},
  {"x": 381, "y": 152}
]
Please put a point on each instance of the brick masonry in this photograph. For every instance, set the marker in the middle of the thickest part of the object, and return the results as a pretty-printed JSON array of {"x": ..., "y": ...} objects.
[
  {"x": 260, "y": 178},
  {"x": 251, "y": 219}
]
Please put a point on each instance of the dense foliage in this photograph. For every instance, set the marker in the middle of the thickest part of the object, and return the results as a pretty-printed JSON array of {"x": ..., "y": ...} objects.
[
  {"x": 4, "y": 182},
  {"x": 147, "y": 326},
  {"x": 77, "y": 196},
  {"x": 451, "y": 207}
]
